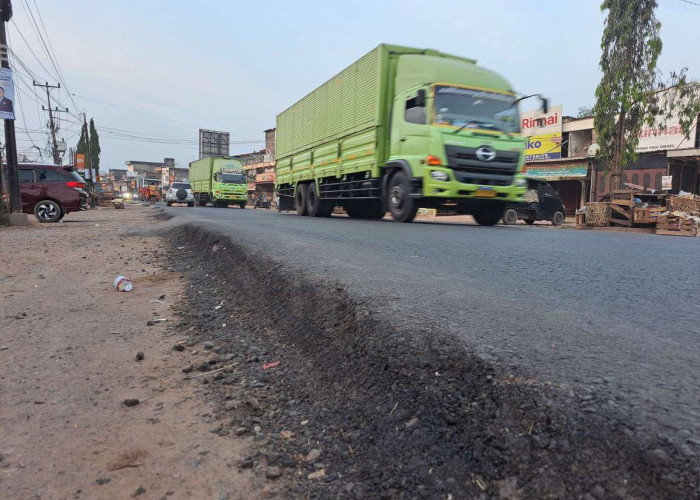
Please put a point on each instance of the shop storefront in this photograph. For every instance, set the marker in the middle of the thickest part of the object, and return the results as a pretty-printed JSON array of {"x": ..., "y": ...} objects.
[{"x": 569, "y": 178}]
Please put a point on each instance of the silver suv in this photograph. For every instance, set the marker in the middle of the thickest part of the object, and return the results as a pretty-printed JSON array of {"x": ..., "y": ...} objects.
[{"x": 179, "y": 192}]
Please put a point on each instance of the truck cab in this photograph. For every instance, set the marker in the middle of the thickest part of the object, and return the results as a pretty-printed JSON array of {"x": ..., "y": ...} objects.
[{"x": 456, "y": 127}]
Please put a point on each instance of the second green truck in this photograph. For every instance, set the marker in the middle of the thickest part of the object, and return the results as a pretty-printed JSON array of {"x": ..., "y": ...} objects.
[
  {"x": 399, "y": 129},
  {"x": 218, "y": 180}
]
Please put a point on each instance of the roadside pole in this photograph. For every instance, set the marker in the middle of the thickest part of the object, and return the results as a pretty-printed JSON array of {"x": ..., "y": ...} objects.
[{"x": 16, "y": 215}]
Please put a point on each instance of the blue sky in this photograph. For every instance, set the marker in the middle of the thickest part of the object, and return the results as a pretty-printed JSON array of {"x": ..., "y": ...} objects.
[{"x": 234, "y": 65}]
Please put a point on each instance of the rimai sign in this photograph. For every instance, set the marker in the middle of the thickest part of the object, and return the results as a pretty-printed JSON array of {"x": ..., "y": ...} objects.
[
  {"x": 543, "y": 132},
  {"x": 664, "y": 138}
]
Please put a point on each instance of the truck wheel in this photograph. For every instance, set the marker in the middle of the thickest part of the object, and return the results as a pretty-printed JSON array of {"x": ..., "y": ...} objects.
[
  {"x": 510, "y": 216},
  {"x": 402, "y": 206},
  {"x": 558, "y": 218},
  {"x": 315, "y": 206},
  {"x": 242, "y": 205},
  {"x": 488, "y": 215},
  {"x": 300, "y": 199}
]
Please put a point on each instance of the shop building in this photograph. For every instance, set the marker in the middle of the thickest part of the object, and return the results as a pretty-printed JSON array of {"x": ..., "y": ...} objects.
[
  {"x": 261, "y": 170},
  {"x": 564, "y": 154}
]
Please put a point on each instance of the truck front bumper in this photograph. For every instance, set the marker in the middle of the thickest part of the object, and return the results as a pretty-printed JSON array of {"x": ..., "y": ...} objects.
[
  {"x": 454, "y": 190},
  {"x": 230, "y": 197}
]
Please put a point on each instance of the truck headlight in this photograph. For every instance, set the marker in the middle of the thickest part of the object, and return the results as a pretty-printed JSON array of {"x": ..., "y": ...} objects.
[
  {"x": 439, "y": 176},
  {"x": 521, "y": 183}
]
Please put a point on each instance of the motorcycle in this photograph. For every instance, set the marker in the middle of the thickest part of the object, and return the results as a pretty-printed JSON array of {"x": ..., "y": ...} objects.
[{"x": 261, "y": 204}]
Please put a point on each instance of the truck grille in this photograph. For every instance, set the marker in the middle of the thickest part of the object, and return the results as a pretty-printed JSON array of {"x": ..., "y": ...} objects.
[{"x": 471, "y": 170}]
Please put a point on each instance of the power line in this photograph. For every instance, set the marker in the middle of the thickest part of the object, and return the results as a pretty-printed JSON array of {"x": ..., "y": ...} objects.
[{"x": 691, "y": 3}]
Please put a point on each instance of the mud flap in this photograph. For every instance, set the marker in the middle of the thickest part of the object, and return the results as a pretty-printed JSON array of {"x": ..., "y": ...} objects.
[{"x": 286, "y": 203}]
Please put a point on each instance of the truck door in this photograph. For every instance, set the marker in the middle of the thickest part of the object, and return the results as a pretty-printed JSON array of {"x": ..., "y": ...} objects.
[{"x": 410, "y": 134}]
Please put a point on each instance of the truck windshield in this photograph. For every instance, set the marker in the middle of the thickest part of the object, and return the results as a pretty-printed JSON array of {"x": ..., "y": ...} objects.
[
  {"x": 229, "y": 178},
  {"x": 469, "y": 108}
]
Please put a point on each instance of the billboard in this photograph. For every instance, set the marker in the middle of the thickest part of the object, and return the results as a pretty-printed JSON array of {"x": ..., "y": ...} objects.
[
  {"x": 7, "y": 95},
  {"x": 213, "y": 143},
  {"x": 659, "y": 138},
  {"x": 543, "y": 133}
]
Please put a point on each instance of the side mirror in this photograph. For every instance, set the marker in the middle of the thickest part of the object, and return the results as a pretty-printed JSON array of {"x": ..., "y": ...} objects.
[
  {"x": 545, "y": 104},
  {"x": 420, "y": 98}
]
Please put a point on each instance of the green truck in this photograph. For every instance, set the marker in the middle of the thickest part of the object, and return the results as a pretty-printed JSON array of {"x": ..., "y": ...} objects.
[
  {"x": 400, "y": 129},
  {"x": 219, "y": 180}
]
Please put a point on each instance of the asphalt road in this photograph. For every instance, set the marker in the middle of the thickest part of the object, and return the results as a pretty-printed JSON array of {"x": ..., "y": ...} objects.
[{"x": 615, "y": 315}]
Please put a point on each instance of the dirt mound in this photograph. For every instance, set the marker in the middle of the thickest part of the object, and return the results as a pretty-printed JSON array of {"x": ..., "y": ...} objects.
[{"x": 394, "y": 413}]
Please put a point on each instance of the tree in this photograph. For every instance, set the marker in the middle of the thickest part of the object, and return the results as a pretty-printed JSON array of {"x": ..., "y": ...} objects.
[
  {"x": 631, "y": 93},
  {"x": 94, "y": 149},
  {"x": 584, "y": 112}
]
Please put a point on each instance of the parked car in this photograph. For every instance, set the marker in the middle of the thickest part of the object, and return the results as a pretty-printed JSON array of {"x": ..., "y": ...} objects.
[
  {"x": 51, "y": 191},
  {"x": 542, "y": 202},
  {"x": 179, "y": 192}
]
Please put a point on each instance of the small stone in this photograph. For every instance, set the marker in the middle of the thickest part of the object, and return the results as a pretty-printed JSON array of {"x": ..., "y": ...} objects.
[
  {"x": 139, "y": 491},
  {"x": 655, "y": 457},
  {"x": 317, "y": 475},
  {"x": 179, "y": 347},
  {"x": 248, "y": 463},
  {"x": 188, "y": 369},
  {"x": 103, "y": 480},
  {"x": 140, "y": 356},
  {"x": 224, "y": 496},
  {"x": 257, "y": 428},
  {"x": 130, "y": 402},
  {"x": 598, "y": 491},
  {"x": 313, "y": 455},
  {"x": 150, "y": 323},
  {"x": 411, "y": 423},
  {"x": 273, "y": 472}
]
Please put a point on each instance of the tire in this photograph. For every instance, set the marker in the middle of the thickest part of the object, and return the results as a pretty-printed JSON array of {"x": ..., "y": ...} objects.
[
  {"x": 190, "y": 204},
  {"x": 510, "y": 217},
  {"x": 300, "y": 199},
  {"x": 242, "y": 205},
  {"x": 48, "y": 211},
  {"x": 181, "y": 195},
  {"x": 488, "y": 215},
  {"x": 558, "y": 218},
  {"x": 315, "y": 206},
  {"x": 169, "y": 203},
  {"x": 529, "y": 222},
  {"x": 402, "y": 206}
]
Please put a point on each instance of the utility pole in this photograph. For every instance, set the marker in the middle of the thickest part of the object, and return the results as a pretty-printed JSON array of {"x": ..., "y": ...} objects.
[
  {"x": 10, "y": 139},
  {"x": 52, "y": 125}
]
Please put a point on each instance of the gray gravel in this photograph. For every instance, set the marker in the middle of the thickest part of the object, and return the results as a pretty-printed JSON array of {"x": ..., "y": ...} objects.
[{"x": 613, "y": 317}]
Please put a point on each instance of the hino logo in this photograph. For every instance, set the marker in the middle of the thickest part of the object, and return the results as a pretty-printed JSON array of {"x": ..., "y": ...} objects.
[{"x": 486, "y": 153}]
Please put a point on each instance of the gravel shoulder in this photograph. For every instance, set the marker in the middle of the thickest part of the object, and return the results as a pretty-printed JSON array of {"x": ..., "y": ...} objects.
[
  {"x": 68, "y": 347},
  {"x": 348, "y": 405}
]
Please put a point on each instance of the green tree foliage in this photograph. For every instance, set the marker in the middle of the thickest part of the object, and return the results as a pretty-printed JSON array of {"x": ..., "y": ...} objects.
[
  {"x": 82, "y": 146},
  {"x": 94, "y": 149},
  {"x": 629, "y": 95}
]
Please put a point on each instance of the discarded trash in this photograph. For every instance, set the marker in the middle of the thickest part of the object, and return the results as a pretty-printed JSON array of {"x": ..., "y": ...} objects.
[
  {"x": 123, "y": 284},
  {"x": 130, "y": 402},
  {"x": 154, "y": 321},
  {"x": 271, "y": 365},
  {"x": 286, "y": 434},
  {"x": 118, "y": 203},
  {"x": 4, "y": 348}
]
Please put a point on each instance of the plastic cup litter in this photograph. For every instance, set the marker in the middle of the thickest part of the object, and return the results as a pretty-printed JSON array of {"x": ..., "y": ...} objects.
[{"x": 123, "y": 284}]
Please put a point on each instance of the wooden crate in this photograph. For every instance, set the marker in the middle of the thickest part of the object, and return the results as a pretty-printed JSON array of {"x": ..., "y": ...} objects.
[
  {"x": 676, "y": 226},
  {"x": 683, "y": 204},
  {"x": 647, "y": 215}
]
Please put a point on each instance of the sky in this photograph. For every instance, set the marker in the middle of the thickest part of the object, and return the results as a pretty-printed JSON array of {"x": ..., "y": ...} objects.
[{"x": 162, "y": 69}]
